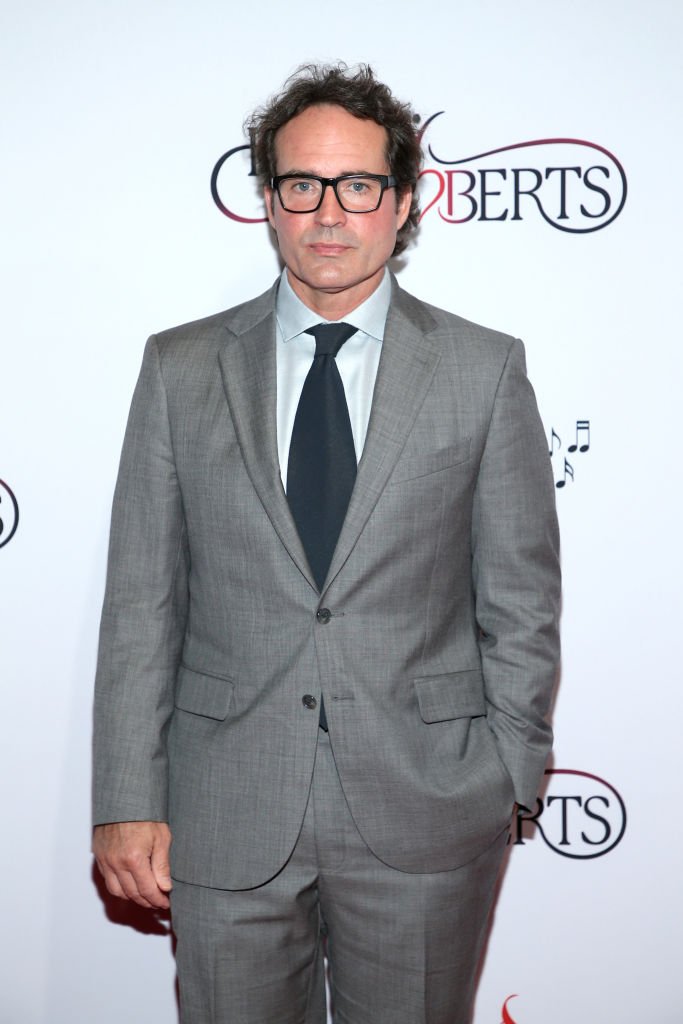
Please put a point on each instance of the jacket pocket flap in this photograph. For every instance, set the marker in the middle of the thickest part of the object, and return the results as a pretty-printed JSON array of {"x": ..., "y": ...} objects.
[
  {"x": 453, "y": 695},
  {"x": 204, "y": 695},
  {"x": 415, "y": 466}
]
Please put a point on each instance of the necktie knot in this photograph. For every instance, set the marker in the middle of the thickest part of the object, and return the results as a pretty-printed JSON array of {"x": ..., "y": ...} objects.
[{"x": 329, "y": 338}]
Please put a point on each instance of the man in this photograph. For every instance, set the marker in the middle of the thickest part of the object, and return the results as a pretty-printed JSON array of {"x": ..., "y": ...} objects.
[{"x": 326, "y": 682}]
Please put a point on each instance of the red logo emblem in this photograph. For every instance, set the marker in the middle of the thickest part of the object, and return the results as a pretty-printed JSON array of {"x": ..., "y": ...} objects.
[{"x": 507, "y": 1016}]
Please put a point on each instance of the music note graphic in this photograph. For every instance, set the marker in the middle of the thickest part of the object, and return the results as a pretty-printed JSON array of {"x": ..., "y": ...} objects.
[
  {"x": 554, "y": 436},
  {"x": 568, "y": 472},
  {"x": 582, "y": 427}
]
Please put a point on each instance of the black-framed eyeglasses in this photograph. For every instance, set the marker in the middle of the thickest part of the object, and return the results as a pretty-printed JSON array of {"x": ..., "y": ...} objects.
[{"x": 356, "y": 193}]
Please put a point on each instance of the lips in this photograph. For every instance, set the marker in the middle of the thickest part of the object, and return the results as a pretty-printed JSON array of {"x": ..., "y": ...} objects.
[{"x": 328, "y": 248}]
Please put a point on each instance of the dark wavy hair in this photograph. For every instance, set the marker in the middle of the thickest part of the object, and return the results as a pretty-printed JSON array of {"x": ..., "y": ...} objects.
[{"x": 362, "y": 95}]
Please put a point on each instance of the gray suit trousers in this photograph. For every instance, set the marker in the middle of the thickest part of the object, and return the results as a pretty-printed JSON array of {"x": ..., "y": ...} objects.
[{"x": 403, "y": 948}]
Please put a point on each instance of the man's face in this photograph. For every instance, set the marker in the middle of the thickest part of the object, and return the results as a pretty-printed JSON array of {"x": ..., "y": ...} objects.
[{"x": 335, "y": 259}]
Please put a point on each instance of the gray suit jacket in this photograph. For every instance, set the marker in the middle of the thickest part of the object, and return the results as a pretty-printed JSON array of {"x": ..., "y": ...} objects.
[{"x": 439, "y": 654}]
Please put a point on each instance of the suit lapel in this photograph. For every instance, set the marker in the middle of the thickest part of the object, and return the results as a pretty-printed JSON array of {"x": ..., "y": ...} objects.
[
  {"x": 247, "y": 360},
  {"x": 407, "y": 365},
  {"x": 248, "y": 367}
]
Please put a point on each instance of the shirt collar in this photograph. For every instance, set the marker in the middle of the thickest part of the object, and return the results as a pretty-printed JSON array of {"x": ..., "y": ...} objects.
[{"x": 294, "y": 317}]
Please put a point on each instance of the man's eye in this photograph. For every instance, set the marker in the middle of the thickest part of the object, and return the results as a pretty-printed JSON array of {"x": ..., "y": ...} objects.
[
  {"x": 300, "y": 186},
  {"x": 357, "y": 187}
]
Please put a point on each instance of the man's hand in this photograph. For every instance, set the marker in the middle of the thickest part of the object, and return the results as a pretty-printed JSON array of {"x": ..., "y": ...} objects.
[{"x": 133, "y": 859}]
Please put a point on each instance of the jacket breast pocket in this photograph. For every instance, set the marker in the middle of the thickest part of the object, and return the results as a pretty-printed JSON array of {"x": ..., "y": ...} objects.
[
  {"x": 416, "y": 466},
  {"x": 452, "y": 695},
  {"x": 202, "y": 694}
]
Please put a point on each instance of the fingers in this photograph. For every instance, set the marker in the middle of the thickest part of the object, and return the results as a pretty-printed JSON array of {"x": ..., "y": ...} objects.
[
  {"x": 111, "y": 881},
  {"x": 124, "y": 853},
  {"x": 138, "y": 882},
  {"x": 159, "y": 862},
  {"x": 127, "y": 886}
]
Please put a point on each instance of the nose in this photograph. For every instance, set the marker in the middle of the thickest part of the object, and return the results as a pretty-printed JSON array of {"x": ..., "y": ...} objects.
[{"x": 330, "y": 213}]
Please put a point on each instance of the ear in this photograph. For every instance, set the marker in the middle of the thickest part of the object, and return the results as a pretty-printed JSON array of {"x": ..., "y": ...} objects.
[
  {"x": 403, "y": 206},
  {"x": 268, "y": 196}
]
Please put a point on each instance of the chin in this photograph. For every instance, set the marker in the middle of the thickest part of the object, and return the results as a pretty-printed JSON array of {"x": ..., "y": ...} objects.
[{"x": 328, "y": 277}]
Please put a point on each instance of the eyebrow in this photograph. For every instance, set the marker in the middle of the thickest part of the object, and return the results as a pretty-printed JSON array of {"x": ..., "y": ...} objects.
[{"x": 313, "y": 174}]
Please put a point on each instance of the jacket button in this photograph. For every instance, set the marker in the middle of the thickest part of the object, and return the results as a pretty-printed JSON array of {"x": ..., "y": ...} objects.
[
  {"x": 309, "y": 702},
  {"x": 323, "y": 615}
]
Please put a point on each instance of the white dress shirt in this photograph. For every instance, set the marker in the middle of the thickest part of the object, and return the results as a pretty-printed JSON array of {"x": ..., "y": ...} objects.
[{"x": 357, "y": 360}]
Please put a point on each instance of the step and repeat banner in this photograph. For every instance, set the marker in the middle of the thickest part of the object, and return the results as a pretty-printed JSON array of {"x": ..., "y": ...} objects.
[{"x": 551, "y": 210}]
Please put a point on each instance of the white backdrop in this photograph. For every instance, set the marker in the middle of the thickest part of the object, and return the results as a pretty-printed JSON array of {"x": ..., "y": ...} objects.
[{"x": 113, "y": 117}]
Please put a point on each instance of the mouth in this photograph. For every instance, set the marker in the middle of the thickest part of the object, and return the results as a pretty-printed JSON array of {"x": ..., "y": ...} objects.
[{"x": 328, "y": 248}]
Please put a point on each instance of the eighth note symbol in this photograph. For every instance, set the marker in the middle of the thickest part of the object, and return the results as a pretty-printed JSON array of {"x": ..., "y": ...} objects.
[
  {"x": 568, "y": 472},
  {"x": 554, "y": 436},
  {"x": 582, "y": 427}
]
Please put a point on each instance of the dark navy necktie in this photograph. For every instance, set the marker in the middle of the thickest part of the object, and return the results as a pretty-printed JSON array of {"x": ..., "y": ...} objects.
[
  {"x": 322, "y": 459},
  {"x": 321, "y": 469}
]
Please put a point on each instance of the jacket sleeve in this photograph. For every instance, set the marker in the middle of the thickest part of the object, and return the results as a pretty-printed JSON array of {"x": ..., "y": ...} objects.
[
  {"x": 144, "y": 613},
  {"x": 515, "y": 546}
]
